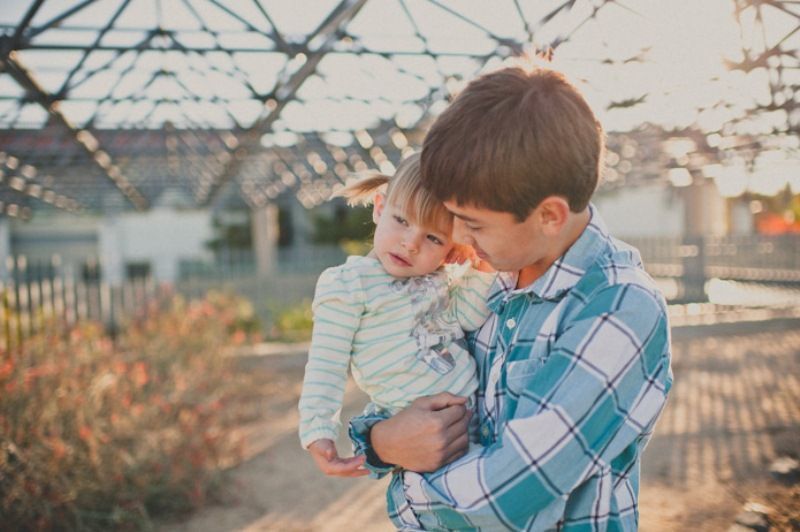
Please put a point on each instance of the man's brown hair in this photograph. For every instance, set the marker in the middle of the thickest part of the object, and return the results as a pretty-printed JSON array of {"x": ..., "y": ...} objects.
[{"x": 512, "y": 138}]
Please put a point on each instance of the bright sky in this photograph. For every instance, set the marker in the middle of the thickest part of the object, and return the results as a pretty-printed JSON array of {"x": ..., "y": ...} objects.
[
  {"x": 683, "y": 45},
  {"x": 669, "y": 56}
]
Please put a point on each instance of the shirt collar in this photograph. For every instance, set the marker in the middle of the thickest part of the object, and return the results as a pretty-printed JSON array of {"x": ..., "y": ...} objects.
[{"x": 563, "y": 274}]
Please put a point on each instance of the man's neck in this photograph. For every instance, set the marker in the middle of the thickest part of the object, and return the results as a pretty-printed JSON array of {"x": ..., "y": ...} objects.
[{"x": 573, "y": 229}]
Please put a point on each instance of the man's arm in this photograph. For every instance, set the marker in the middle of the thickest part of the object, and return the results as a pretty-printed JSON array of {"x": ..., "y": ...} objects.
[{"x": 601, "y": 388}]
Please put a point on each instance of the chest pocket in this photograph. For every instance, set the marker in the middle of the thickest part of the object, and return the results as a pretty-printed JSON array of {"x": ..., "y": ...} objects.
[{"x": 520, "y": 373}]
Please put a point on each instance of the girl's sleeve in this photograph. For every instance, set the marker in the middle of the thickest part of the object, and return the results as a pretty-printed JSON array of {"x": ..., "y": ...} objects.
[
  {"x": 468, "y": 295},
  {"x": 337, "y": 307}
]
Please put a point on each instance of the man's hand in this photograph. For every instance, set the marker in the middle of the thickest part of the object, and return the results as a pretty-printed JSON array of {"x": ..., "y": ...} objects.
[
  {"x": 430, "y": 433},
  {"x": 328, "y": 461}
]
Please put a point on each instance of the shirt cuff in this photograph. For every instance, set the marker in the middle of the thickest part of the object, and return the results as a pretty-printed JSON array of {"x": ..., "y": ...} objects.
[
  {"x": 321, "y": 432},
  {"x": 359, "y": 430}
]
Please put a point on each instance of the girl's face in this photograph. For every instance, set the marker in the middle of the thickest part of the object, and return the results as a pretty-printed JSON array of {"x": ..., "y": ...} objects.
[{"x": 404, "y": 248}]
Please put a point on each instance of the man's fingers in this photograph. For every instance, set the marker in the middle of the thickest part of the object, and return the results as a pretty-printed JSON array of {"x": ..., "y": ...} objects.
[
  {"x": 457, "y": 448},
  {"x": 458, "y": 437},
  {"x": 440, "y": 401},
  {"x": 453, "y": 415},
  {"x": 457, "y": 426}
]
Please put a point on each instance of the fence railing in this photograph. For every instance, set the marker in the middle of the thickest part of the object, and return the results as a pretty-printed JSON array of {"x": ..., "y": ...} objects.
[
  {"x": 35, "y": 295},
  {"x": 233, "y": 263},
  {"x": 30, "y": 306},
  {"x": 744, "y": 258}
]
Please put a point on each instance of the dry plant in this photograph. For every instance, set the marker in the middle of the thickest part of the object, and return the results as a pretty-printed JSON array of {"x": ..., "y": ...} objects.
[{"x": 98, "y": 434}]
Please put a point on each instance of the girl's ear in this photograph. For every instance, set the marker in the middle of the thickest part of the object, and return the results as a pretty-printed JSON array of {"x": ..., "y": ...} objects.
[{"x": 377, "y": 207}]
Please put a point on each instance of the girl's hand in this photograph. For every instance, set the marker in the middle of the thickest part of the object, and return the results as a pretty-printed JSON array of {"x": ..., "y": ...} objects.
[
  {"x": 461, "y": 253},
  {"x": 327, "y": 459}
]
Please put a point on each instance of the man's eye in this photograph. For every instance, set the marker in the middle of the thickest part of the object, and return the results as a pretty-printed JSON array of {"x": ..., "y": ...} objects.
[
  {"x": 400, "y": 220},
  {"x": 436, "y": 240},
  {"x": 473, "y": 228}
]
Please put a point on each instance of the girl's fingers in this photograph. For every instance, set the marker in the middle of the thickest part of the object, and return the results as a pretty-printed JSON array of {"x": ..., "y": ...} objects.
[{"x": 345, "y": 467}]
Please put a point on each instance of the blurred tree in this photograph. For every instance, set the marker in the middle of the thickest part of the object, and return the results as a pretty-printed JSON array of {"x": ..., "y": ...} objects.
[
  {"x": 344, "y": 224},
  {"x": 231, "y": 231}
]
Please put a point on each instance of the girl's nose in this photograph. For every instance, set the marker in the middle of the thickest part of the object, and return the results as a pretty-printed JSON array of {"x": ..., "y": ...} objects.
[{"x": 411, "y": 243}]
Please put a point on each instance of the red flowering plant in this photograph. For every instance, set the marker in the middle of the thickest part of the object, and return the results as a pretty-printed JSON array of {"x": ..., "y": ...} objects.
[{"x": 98, "y": 435}]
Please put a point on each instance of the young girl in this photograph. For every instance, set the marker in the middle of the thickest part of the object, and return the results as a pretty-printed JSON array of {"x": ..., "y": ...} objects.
[{"x": 395, "y": 317}]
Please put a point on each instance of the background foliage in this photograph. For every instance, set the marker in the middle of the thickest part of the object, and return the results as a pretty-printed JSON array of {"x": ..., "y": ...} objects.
[{"x": 99, "y": 435}]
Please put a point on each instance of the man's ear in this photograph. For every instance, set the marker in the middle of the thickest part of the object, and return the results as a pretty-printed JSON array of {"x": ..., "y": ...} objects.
[
  {"x": 377, "y": 207},
  {"x": 553, "y": 214}
]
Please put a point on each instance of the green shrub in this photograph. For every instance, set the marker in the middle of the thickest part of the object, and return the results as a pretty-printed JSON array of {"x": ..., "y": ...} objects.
[{"x": 294, "y": 323}]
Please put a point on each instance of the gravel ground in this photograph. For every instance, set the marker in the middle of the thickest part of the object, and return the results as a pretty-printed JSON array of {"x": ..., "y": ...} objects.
[{"x": 734, "y": 409}]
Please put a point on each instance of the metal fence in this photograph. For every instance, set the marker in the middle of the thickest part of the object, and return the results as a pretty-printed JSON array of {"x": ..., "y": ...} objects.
[
  {"x": 743, "y": 258},
  {"x": 36, "y": 295}
]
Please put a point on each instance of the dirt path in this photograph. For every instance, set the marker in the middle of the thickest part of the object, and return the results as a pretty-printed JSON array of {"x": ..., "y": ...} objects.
[
  {"x": 735, "y": 407},
  {"x": 278, "y": 488}
]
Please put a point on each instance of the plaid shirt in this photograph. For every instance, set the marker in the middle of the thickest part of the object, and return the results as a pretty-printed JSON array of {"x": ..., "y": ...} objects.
[{"x": 574, "y": 371}]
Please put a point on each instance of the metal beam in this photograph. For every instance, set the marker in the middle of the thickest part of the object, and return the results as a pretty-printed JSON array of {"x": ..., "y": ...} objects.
[
  {"x": 62, "y": 92},
  {"x": 275, "y": 34},
  {"x": 317, "y": 45},
  {"x": 87, "y": 142},
  {"x": 56, "y": 22},
  {"x": 361, "y": 50},
  {"x": 16, "y": 39}
]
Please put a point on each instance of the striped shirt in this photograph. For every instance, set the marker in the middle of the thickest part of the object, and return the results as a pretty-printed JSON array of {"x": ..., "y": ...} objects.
[
  {"x": 574, "y": 371},
  {"x": 401, "y": 338}
]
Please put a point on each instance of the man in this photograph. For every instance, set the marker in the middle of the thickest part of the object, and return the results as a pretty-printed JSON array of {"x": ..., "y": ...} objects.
[{"x": 574, "y": 363}]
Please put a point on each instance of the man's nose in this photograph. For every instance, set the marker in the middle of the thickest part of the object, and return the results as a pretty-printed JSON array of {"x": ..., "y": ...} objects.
[{"x": 461, "y": 233}]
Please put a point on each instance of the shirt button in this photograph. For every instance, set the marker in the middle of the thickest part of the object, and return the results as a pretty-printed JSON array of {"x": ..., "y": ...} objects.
[{"x": 511, "y": 323}]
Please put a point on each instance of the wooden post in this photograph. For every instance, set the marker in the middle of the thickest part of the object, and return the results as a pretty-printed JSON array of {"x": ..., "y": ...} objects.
[
  {"x": 5, "y": 323},
  {"x": 265, "y": 238}
]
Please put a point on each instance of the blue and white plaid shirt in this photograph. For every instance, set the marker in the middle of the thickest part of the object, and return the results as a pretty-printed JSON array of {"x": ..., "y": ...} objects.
[{"x": 574, "y": 371}]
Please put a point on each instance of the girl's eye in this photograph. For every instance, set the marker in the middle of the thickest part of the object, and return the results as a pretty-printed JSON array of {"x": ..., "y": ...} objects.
[
  {"x": 400, "y": 220},
  {"x": 472, "y": 228},
  {"x": 436, "y": 240}
]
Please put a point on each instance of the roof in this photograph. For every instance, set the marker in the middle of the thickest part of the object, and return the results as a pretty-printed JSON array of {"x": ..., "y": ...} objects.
[{"x": 107, "y": 104}]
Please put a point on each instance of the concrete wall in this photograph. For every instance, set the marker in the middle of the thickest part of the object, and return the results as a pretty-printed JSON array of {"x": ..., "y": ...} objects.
[
  {"x": 72, "y": 238},
  {"x": 161, "y": 237},
  {"x": 641, "y": 211}
]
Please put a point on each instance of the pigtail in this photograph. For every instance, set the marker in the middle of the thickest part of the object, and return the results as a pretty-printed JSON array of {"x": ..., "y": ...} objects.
[{"x": 362, "y": 191}]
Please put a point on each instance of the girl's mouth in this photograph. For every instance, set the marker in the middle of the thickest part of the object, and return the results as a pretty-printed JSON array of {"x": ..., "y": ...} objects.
[{"x": 397, "y": 259}]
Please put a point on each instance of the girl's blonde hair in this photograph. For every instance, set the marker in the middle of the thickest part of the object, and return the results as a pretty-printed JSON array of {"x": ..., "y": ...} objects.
[{"x": 405, "y": 191}]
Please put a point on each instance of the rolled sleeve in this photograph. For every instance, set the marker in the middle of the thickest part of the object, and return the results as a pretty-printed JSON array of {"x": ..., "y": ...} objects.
[{"x": 359, "y": 431}]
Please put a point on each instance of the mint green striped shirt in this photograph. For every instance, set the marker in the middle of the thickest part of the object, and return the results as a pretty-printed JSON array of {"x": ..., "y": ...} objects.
[{"x": 401, "y": 338}]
